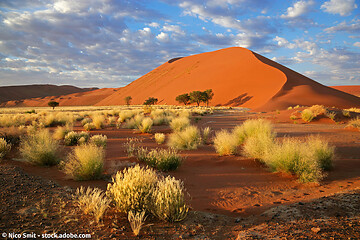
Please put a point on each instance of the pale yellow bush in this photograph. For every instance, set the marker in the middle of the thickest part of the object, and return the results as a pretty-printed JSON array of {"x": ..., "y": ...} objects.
[
  {"x": 159, "y": 138},
  {"x": 180, "y": 123},
  {"x": 136, "y": 221},
  {"x": 225, "y": 143},
  {"x": 189, "y": 138},
  {"x": 4, "y": 147},
  {"x": 92, "y": 201}
]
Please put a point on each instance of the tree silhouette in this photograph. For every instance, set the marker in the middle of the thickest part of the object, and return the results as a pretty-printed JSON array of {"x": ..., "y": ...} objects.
[
  {"x": 53, "y": 104},
  {"x": 128, "y": 100},
  {"x": 183, "y": 98}
]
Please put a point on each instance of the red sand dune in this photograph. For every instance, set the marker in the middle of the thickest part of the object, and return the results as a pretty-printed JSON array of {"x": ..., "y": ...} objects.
[
  {"x": 351, "y": 89},
  {"x": 14, "y": 93},
  {"x": 237, "y": 76}
]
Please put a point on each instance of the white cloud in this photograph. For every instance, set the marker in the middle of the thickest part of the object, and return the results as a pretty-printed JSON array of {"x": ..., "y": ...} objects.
[
  {"x": 298, "y": 9},
  {"x": 163, "y": 37},
  {"x": 357, "y": 44},
  {"x": 352, "y": 27},
  {"x": 173, "y": 28},
  {"x": 282, "y": 42},
  {"x": 342, "y": 7}
]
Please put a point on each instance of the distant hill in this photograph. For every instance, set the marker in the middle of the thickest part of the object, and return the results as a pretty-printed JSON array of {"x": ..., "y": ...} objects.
[
  {"x": 16, "y": 93},
  {"x": 352, "y": 89}
]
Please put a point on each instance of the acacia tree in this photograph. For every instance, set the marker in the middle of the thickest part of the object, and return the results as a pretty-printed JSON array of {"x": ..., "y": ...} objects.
[
  {"x": 208, "y": 95},
  {"x": 53, "y": 104},
  {"x": 196, "y": 97},
  {"x": 128, "y": 100},
  {"x": 183, "y": 98},
  {"x": 151, "y": 101}
]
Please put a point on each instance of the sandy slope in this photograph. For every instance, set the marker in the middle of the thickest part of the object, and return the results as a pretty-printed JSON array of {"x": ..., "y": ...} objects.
[
  {"x": 352, "y": 89},
  {"x": 237, "y": 76}
]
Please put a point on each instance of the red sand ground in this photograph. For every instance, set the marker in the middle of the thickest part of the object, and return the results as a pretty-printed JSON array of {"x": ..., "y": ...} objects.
[
  {"x": 238, "y": 77},
  {"x": 234, "y": 185},
  {"x": 16, "y": 93}
]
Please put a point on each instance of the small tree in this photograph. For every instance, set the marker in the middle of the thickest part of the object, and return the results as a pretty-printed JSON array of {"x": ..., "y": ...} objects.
[
  {"x": 208, "y": 95},
  {"x": 183, "y": 98},
  {"x": 53, "y": 104},
  {"x": 128, "y": 100},
  {"x": 196, "y": 97},
  {"x": 151, "y": 101}
]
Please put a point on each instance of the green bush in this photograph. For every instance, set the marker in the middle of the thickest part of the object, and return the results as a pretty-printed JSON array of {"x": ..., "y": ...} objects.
[
  {"x": 74, "y": 138},
  {"x": 320, "y": 150},
  {"x": 85, "y": 162},
  {"x": 307, "y": 115},
  {"x": 132, "y": 189},
  {"x": 180, "y": 123},
  {"x": 4, "y": 147},
  {"x": 162, "y": 159},
  {"x": 169, "y": 200},
  {"x": 225, "y": 143},
  {"x": 189, "y": 138},
  {"x": 98, "y": 140},
  {"x": 40, "y": 148},
  {"x": 253, "y": 127}
]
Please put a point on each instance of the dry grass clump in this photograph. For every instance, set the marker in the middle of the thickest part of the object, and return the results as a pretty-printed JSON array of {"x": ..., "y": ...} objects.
[
  {"x": 145, "y": 125},
  {"x": 85, "y": 162},
  {"x": 180, "y": 123},
  {"x": 98, "y": 140},
  {"x": 92, "y": 201},
  {"x": 89, "y": 126},
  {"x": 331, "y": 115},
  {"x": 225, "y": 143},
  {"x": 162, "y": 159},
  {"x": 159, "y": 138},
  {"x": 318, "y": 109},
  {"x": 346, "y": 113},
  {"x": 357, "y": 110},
  {"x": 13, "y": 134},
  {"x": 5, "y": 147},
  {"x": 112, "y": 121},
  {"x": 132, "y": 146},
  {"x": 126, "y": 114},
  {"x": 306, "y": 160},
  {"x": 189, "y": 138},
  {"x": 169, "y": 200},
  {"x": 307, "y": 115},
  {"x": 206, "y": 134},
  {"x": 134, "y": 122},
  {"x": 98, "y": 121},
  {"x": 136, "y": 221},
  {"x": 40, "y": 148},
  {"x": 73, "y": 138},
  {"x": 132, "y": 189},
  {"x": 253, "y": 127},
  {"x": 257, "y": 146},
  {"x": 60, "y": 132},
  {"x": 86, "y": 121},
  {"x": 355, "y": 123},
  {"x": 56, "y": 119}
]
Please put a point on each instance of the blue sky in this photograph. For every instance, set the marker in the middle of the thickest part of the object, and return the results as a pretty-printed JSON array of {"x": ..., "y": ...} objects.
[{"x": 109, "y": 43}]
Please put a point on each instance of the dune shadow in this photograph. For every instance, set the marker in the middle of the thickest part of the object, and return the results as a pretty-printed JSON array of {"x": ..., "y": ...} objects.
[
  {"x": 240, "y": 100},
  {"x": 174, "y": 59}
]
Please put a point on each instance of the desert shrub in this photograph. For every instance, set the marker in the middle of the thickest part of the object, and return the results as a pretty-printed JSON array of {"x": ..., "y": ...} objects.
[
  {"x": 189, "y": 138},
  {"x": 225, "y": 143},
  {"x": 12, "y": 134},
  {"x": 180, "y": 123},
  {"x": 91, "y": 201},
  {"x": 5, "y": 147},
  {"x": 161, "y": 120},
  {"x": 330, "y": 115},
  {"x": 132, "y": 189},
  {"x": 60, "y": 132},
  {"x": 346, "y": 113},
  {"x": 145, "y": 125},
  {"x": 320, "y": 150},
  {"x": 131, "y": 146},
  {"x": 293, "y": 117},
  {"x": 136, "y": 221},
  {"x": 253, "y": 127},
  {"x": 74, "y": 138},
  {"x": 112, "y": 121},
  {"x": 126, "y": 114},
  {"x": 169, "y": 200},
  {"x": 89, "y": 126},
  {"x": 53, "y": 120},
  {"x": 134, "y": 122},
  {"x": 159, "y": 138},
  {"x": 86, "y": 121},
  {"x": 162, "y": 159},
  {"x": 98, "y": 140},
  {"x": 307, "y": 115},
  {"x": 85, "y": 162},
  {"x": 318, "y": 109},
  {"x": 258, "y": 145},
  {"x": 40, "y": 148},
  {"x": 98, "y": 121},
  {"x": 355, "y": 123},
  {"x": 206, "y": 134}
]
